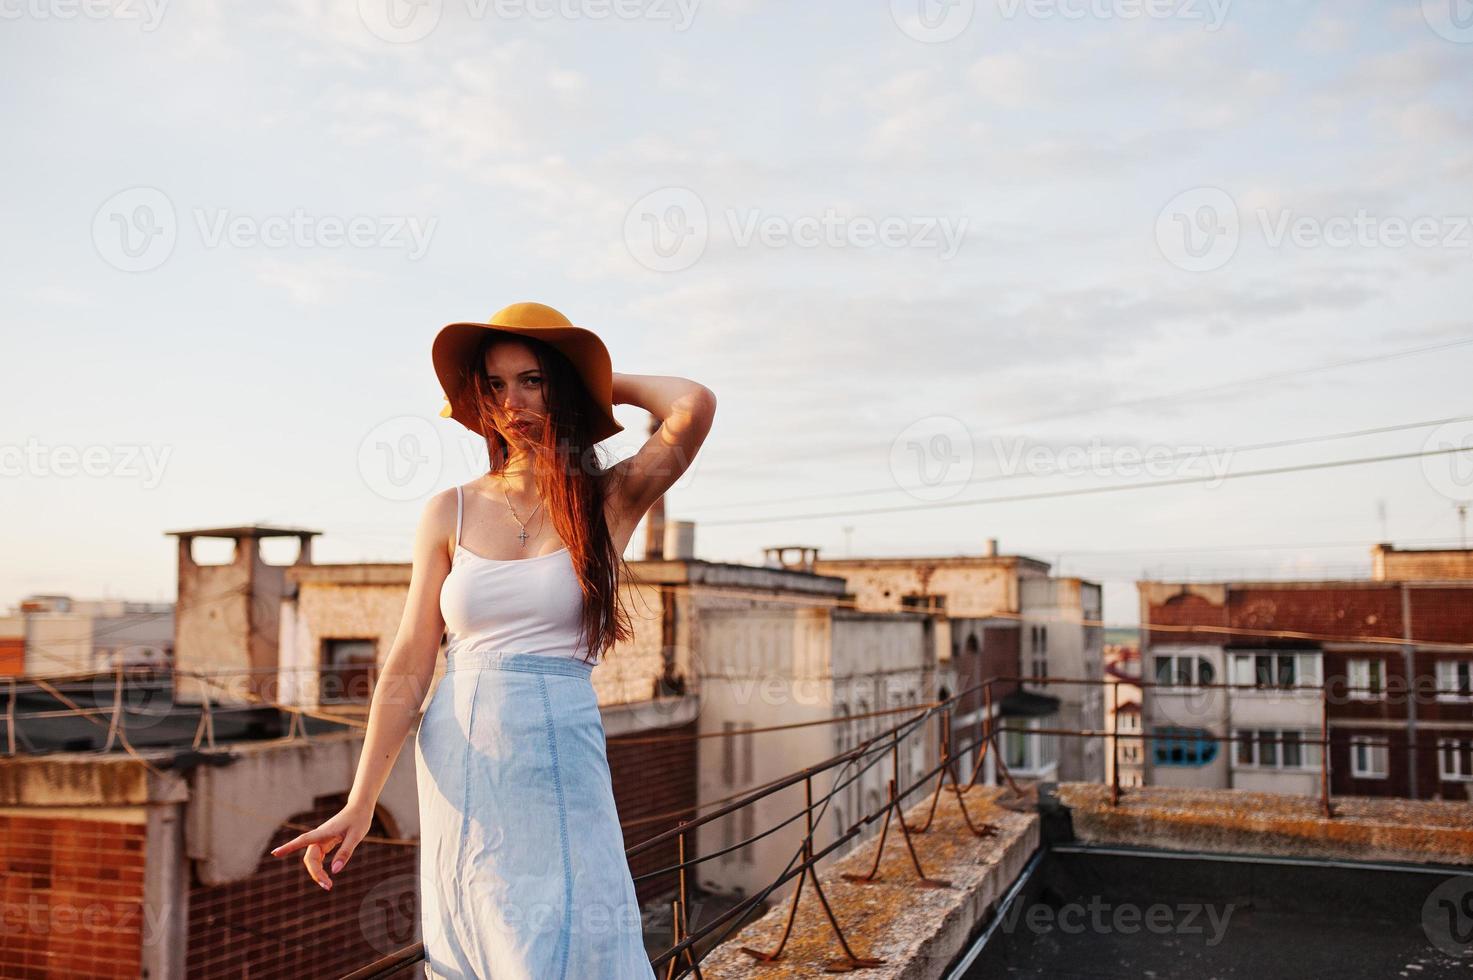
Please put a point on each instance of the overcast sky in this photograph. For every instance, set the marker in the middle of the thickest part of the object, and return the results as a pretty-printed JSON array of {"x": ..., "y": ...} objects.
[{"x": 907, "y": 246}]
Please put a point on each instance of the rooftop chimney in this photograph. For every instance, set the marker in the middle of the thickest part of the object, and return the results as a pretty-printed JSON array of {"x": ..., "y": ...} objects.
[
  {"x": 989, "y": 550},
  {"x": 680, "y": 541},
  {"x": 227, "y": 616}
]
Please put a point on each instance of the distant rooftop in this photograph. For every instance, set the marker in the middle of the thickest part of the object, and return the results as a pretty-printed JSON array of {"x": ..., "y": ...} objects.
[{"x": 245, "y": 531}]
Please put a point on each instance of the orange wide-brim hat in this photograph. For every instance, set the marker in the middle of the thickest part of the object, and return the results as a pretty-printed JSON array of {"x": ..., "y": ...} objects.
[{"x": 456, "y": 342}]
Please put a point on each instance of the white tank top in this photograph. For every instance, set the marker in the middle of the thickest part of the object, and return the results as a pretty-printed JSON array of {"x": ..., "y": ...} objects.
[{"x": 521, "y": 605}]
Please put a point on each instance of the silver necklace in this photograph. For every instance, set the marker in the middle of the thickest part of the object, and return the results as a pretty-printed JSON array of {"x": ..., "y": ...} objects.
[{"x": 523, "y": 534}]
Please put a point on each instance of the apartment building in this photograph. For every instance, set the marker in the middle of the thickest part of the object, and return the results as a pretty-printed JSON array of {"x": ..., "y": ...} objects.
[
  {"x": 1248, "y": 680},
  {"x": 1003, "y": 615}
]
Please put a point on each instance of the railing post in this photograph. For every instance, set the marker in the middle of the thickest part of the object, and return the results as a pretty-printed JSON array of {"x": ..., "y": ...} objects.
[
  {"x": 1115, "y": 743},
  {"x": 1325, "y": 752},
  {"x": 10, "y": 718},
  {"x": 116, "y": 725}
]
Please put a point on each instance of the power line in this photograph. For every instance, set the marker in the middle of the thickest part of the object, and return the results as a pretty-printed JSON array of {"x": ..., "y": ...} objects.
[
  {"x": 808, "y": 454},
  {"x": 1086, "y": 491},
  {"x": 1181, "y": 454}
]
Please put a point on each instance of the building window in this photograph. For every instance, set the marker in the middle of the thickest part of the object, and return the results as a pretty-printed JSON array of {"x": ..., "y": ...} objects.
[
  {"x": 1366, "y": 678},
  {"x": 1454, "y": 680},
  {"x": 1368, "y": 756},
  {"x": 1184, "y": 670},
  {"x": 1276, "y": 748},
  {"x": 347, "y": 671},
  {"x": 1038, "y": 647},
  {"x": 1029, "y": 752},
  {"x": 1455, "y": 759},
  {"x": 1276, "y": 669},
  {"x": 1183, "y": 746}
]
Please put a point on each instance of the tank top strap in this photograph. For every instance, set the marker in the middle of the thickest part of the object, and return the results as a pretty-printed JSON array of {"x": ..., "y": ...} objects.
[{"x": 459, "y": 510}]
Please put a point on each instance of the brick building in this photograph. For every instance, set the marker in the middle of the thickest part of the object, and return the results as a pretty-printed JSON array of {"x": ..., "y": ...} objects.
[
  {"x": 1003, "y": 616},
  {"x": 1383, "y": 665}
]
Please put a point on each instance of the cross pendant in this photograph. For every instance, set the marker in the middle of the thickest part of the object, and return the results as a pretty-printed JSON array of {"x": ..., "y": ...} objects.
[{"x": 523, "y": 536}]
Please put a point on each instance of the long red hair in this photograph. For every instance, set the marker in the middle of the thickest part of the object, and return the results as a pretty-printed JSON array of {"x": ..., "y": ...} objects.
[{"x": 571, "y": 479}]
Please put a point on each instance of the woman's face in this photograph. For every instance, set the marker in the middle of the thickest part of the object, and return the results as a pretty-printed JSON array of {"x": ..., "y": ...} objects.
[{"x": 515, "y": 381}]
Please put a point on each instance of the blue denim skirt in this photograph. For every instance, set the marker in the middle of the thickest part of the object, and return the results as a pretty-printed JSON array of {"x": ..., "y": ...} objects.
[{"x": 522, "y": 867}]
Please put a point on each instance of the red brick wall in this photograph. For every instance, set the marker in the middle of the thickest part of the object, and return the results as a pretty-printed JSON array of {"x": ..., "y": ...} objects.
[
  {"x": 1184, "y": 610},
  {"x": 650, "y": 779},
  {"x": 73, "y": 897},
  {"x": 278, "y": 923},
  {"x": 12, "y": 656},
  {"x": 1442, "y": 615}
]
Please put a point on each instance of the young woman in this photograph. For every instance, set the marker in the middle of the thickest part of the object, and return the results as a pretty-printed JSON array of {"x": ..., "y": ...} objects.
[{"x": 522, "y": 867}]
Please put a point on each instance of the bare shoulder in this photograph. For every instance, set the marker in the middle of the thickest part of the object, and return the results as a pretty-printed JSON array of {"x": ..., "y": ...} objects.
[{"x": 437, "y": 521}]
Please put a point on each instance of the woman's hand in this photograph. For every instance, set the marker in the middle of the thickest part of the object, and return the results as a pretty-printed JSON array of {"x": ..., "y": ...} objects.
[{"x": 343, "y": 830}]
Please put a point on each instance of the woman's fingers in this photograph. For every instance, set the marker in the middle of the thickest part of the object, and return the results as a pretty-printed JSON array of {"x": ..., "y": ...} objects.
[
  {"x": 313, "y": 859},
  {"x": 316, "y": 844},
  {"x": 299, "y": 842},
  {"x": 345, "y": 852}
]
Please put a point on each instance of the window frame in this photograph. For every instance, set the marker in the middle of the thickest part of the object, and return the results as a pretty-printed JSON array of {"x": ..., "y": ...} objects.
[
  {"x": 1370, "y": 742},
  {"x": 1249, "y": 740},
  {"x": 1194, "y": 662},
  {"x": 1464, "y": 749},
  {"x": 1450, "y": 690},
  {"x": 1359, "y": 683},
  {"x": 1245, "y": 668}
]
